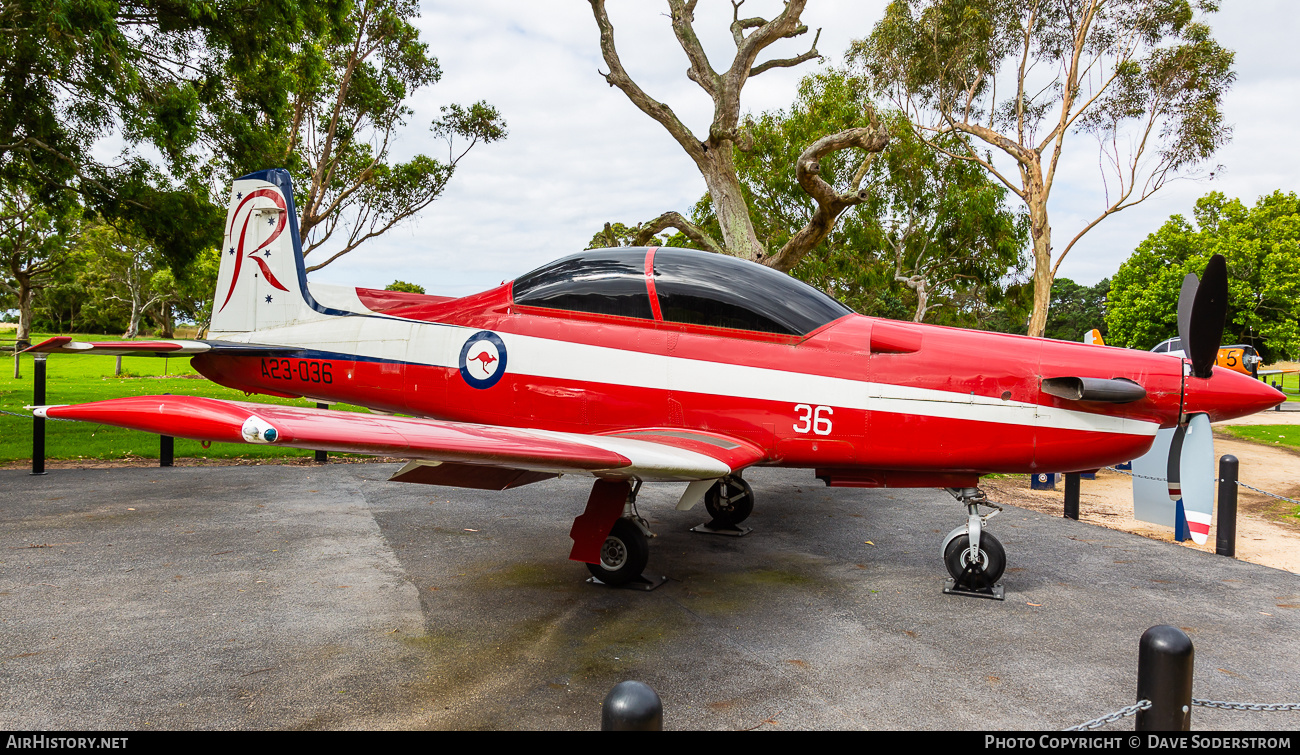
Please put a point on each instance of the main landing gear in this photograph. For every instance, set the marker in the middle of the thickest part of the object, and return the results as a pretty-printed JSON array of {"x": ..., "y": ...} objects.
[
  {"x": 625, "y": 553},
  {"x": 612, "y": 538},
  {"x": 729, "y": 503},
  {"x": 974, "y": 558}
]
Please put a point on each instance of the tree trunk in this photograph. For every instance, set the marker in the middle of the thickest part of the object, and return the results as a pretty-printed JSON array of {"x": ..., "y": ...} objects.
[
  {"x": 1040, "y": 231},
  {"x": 738, "y": 237},
  {"x": 26, "y": 294},
  {"x": 166, "y": 321},
  {"x": 922, "y": 300}
]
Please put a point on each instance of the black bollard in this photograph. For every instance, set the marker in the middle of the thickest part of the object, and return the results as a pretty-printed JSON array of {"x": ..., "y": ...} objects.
[
  {"x": 1165, "y": 657},
  {"x": 321, "y": 456},
  {"x": 166, "y": 448},
  {"x": 38, "y": 423},
  {"x": 1225, "y": 539},
  {"x": 632, "y": 706},
  {"x": 1072, "y": 495}
]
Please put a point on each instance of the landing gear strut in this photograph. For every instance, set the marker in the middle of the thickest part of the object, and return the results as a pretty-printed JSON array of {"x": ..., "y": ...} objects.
[
  {"x": 626, "y": 549},
  {"x": 974, "y": 558}
]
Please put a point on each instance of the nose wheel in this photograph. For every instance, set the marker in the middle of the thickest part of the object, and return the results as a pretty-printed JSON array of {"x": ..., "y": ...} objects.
[
  {"x": 986, "y": 568},
  {"x": 974, "y": 558}
]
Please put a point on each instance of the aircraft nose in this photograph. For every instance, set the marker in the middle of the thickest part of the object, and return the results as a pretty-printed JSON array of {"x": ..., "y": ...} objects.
[{"x": 1227, "y": 395}]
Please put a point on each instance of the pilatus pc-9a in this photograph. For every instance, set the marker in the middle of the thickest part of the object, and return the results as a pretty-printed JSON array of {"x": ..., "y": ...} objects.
[{"x": 645, "y": 365}]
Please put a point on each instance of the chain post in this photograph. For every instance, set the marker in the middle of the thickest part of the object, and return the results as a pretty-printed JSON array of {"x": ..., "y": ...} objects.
[
  {"x": 1225, "y": 539},
  {"x": 1165, "y": 658},
  {"x": 321, "y": 456},
  {"x": 38, "y": 423},
  {"x": 1072, "y": 495}
]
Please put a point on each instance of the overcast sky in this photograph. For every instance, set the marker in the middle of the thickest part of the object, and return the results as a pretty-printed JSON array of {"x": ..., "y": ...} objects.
[{"x": 580, "y": 154}]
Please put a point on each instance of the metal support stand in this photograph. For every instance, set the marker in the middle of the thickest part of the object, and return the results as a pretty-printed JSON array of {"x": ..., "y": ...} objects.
[
  {"x": 1225, "y": 539},
  {"x": 1072, "y": 495},
  {"x": 644, "y": 583},
  {"x": 321, "y": 456},
  {"x": 38, "y": 423},
  {"x": 1165, "y": 657},
  {"x": 954, "y": 587},
  {"x": 166, "y": 450},
  {"x": 714, "y": 527}
]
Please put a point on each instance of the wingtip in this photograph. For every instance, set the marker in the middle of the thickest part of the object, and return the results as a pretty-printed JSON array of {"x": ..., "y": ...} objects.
[{"x": 42, "y": 411}]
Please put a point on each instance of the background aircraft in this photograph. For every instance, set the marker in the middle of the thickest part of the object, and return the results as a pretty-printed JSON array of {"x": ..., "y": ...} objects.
[
  {"x": 657, "y": 365},
  {"x": 1238, "y": 357}
]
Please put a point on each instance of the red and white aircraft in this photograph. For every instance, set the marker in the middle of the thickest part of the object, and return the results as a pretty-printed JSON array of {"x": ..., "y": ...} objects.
[{"x": 651, "y": 365}]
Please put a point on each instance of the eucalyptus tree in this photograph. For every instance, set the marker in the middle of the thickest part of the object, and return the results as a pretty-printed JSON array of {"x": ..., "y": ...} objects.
[
  {"x": 347, "y": 103},
  {"x": 714, "y": 153},
  {"x": 929, "y": 227},
  {"x": 34, "y": 242},
  {"x": 171, "y": 81},
  {"x": 1144, "y": 77},
  {"x": 1262, "y": 247}
]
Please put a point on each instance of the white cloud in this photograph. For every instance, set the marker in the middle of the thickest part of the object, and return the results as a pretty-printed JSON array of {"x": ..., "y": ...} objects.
[{"x": 580, "y": 154}]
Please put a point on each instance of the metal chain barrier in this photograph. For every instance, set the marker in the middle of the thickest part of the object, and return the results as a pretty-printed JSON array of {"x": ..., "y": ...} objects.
[
  {"x": 29, "y": 416},
  {"x": 1130, "y": 474},
  {"x": 1265, "y": 492},
  {"x": 1239, "y": 483},
  {"x": 1245, "y": 706},
  {"x": 1122, "y": 713}
]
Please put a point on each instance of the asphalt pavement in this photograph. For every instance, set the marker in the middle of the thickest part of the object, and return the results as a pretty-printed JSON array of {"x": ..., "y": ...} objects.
[{"x": 282, "y": 597}]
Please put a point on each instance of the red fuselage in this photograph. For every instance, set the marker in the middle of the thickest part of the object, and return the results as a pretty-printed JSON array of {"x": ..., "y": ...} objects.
[{"x": 875, "y": 401}]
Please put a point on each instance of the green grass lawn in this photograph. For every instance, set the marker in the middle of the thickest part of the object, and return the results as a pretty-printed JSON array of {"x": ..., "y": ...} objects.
[
  {"x": 1290, "y": 382},
  {"x": 1274, "y": 435},
  {"x": 1291, "y": 386},
  {"x": 76, "y": 379}
]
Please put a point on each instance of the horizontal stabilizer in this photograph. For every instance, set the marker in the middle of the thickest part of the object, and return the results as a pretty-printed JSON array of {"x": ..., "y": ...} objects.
[{"x": 155, "y": 348}]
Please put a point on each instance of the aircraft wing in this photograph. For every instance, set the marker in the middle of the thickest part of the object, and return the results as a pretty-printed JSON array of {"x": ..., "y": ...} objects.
[
  {"x": 445, "y": 453},
  {"x": 156, "y": 348}
]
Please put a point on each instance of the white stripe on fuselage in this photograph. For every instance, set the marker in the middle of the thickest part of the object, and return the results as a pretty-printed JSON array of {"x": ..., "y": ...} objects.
[{"x": 439, "y": 345}]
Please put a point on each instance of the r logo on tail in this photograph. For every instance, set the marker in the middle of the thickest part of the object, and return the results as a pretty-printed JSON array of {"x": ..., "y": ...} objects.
[{"x": 279, "y": 220}]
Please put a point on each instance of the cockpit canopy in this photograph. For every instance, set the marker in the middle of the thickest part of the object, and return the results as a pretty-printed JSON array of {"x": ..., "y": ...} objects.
[{"x": 679, "y": 285}]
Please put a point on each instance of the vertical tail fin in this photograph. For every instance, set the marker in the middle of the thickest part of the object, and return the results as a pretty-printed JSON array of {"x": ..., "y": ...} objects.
[{"x": 262, "y": 283}]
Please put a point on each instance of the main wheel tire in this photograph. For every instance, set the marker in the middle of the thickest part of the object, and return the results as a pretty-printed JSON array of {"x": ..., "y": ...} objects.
[
  {"x": 623, "y": 556},
  {"x": 992, "y": 557},
  {"x": 730, "y": 501}
]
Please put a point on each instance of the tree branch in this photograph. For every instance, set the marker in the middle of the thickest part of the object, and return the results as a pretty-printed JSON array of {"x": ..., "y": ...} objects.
[
  {"x": 830, "y": 204},
  {"x": 789, "y": 62},
  {"x": 646, "y": 231},
  {"x": 618, "y": 77}
]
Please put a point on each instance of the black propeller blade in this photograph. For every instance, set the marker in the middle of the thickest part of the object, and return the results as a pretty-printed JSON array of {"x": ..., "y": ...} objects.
[
  {"x": 1205, "y": 325},
  {"x": 1186, "y": 295}
]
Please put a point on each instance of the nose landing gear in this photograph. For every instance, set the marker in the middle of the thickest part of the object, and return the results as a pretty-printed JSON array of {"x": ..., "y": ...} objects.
[{"x": 974, "y": 558}]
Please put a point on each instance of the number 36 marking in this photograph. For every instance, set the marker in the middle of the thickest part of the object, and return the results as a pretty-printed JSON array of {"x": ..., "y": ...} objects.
[{"x": 817, "y": 420}]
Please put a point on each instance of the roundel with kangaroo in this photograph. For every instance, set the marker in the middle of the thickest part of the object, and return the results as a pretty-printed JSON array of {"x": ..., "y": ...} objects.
[{"x": 483, "y": 359}]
